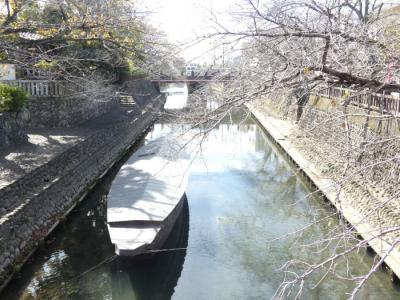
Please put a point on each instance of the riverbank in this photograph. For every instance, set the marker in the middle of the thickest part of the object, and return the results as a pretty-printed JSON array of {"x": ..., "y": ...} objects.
[
  {"x": 33, "y": 204},
  {"x": 355, "y": 206},
  {"x": 243, "y": 197}
]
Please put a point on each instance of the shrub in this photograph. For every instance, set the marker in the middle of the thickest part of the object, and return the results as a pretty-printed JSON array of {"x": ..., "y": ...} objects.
[{"x": 12, "y": 98}]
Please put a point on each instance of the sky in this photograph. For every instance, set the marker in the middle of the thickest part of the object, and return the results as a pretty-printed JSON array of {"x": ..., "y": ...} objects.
[{"x": 185, "y": 20}]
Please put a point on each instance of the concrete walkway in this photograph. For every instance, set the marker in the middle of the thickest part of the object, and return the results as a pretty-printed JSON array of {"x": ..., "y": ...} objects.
[{"x": 46, "y": 143}]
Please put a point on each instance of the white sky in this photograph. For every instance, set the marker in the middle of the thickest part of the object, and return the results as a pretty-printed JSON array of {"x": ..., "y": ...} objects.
[{"x": 184, "y": 20}]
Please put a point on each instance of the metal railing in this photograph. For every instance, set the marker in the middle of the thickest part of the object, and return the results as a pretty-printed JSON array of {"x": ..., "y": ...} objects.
[
  {"x": 48, "y": 88},
  {"x": 376, "y": 101}
]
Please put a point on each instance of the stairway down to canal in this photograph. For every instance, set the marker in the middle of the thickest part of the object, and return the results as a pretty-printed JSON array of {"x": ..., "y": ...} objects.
[{"x": 242, "y": 197}]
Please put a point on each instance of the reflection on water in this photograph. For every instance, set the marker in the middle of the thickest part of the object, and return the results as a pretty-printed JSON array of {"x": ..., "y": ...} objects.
[
  {"x": 241, "y": 195},
  {"x": 78, "y": 260},
  {"x": 177, "y": 94}
]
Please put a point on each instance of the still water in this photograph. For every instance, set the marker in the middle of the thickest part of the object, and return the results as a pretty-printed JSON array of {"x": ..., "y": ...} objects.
[
  {"x": 242, "y": 195},
  {"x": 176, "y": 95}
]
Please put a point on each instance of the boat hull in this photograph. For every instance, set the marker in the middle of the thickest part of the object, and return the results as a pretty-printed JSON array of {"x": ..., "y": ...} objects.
[
  {"x": 163, "y": 233},
  {"x": 147, "y": 196}
]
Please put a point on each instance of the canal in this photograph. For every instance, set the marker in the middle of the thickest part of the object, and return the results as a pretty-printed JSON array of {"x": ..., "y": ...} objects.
[{"x": 243, "y": 197}]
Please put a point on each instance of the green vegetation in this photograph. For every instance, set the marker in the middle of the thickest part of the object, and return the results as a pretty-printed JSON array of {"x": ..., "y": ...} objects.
[
  {"x": 129, "y": 71},
  {"x": 88, "y": 41},
  {"x": 12, "y": 98},
  {"x": 80, "y": 40}
]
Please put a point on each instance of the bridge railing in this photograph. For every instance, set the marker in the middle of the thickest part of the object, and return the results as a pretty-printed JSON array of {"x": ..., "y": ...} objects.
[{"x": 376, "y": 101}]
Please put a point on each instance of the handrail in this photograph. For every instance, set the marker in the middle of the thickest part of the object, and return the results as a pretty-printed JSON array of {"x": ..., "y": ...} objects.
[{"x": 376, "y": 101}]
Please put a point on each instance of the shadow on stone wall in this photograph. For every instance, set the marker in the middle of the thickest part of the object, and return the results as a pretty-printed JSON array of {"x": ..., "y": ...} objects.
[{"x": 13, "y": 128}]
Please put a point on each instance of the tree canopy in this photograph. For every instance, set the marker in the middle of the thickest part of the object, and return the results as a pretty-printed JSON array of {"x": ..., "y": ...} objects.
[
  {"x": 342, "y": 42},
  {"x": 77, "y": 38}
]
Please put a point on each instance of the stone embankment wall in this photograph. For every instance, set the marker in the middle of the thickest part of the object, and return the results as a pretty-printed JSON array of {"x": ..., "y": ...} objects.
[
  {"x": 73, "y": 110},
  {"x": 32, "y": 206},
  {"x": 12, "y": 128},
  {"x": 67, "y": 111},
  {"x": 353, "y": 155}
]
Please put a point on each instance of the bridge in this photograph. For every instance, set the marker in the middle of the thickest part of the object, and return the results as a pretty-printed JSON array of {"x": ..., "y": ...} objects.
[
  {"x": 192, "y": 83},
  {"x": 189, "y": 80},
  {"x": 196, "y": 77}
]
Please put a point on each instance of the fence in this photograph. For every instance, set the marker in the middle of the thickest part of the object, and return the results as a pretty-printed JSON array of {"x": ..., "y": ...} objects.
[
  {"x": 48, "y": 88},
  {"x": 375, "y": 101}
]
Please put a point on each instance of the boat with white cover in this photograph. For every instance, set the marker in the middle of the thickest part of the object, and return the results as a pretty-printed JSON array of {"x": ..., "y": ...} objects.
[{"x": 147, "y": 196}]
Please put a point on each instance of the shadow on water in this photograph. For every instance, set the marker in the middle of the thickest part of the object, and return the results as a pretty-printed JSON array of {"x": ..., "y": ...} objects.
[{"x": 73, "y": 262}]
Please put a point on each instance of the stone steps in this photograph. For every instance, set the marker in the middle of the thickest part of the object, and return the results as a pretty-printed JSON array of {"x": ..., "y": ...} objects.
[{"x": 126, "y": 100}]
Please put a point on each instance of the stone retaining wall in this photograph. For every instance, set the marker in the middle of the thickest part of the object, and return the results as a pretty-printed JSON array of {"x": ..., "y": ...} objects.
[
  {"x": 32, "y": 206},
  {"x": 67, "y": 111},
  {"x": 339, "y": 137},
  {"x": 73, "y": 110},
  {"x": 356, "y": 161},
  {"x": 12, "y": 128}
]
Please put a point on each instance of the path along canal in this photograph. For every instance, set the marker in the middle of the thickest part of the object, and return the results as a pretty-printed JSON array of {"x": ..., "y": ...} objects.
[{"x": 242, "y": 194}]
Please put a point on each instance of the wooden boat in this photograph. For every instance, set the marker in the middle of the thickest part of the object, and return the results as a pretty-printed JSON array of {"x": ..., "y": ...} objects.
[{"x": 147, "y": 196}]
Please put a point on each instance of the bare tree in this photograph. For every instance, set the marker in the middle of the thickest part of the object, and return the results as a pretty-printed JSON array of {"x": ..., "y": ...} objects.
[
  {"x": 85, "y": 42},
  {"x": 292, "y": 49}
]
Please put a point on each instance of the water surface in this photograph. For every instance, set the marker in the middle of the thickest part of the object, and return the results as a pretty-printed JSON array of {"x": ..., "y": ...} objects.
[{"x": 242, "y": 195}]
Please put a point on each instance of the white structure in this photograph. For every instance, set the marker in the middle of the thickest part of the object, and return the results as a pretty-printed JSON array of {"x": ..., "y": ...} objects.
[{"x": 192, "y": 69}]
